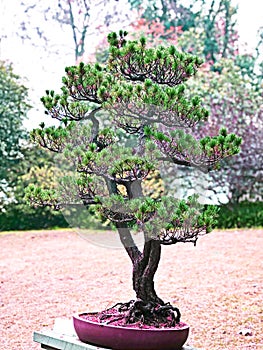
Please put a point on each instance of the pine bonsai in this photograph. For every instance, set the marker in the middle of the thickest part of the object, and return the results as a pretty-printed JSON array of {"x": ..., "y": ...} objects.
[{"x": 142, "y": 91}]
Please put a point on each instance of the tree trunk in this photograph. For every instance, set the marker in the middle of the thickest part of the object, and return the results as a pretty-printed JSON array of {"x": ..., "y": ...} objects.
[
  {"x": 148, "y": 308},
  {"x": 146, "y": 263},
  {"x": 144, "y": 270}
]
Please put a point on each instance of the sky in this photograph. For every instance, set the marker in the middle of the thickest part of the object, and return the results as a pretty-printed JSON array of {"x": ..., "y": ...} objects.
[
  {"x": 43, "y": 70},
  {"x": 250, "y": 18}
]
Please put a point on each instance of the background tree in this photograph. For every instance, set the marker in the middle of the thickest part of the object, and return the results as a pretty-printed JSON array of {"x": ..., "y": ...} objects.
[
  {"x": 21, "y": 163},
  {"x": 251, "y": 63},
  {"x": 214, "y": 20},
  {"x": 37, "y": 166},
  {"x": 234, "y": 101},
  {"x": 143, "y": 93},
  {"x": 13, "y": 110},
  {"x": 81, "y": 19}
]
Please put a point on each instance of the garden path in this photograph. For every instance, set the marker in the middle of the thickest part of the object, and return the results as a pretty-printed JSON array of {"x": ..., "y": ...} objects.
[{"x": 218, "y": 285}]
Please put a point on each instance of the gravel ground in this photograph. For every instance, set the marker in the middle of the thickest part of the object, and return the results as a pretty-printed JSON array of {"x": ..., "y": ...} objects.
[{"x": 217, "y": 285}]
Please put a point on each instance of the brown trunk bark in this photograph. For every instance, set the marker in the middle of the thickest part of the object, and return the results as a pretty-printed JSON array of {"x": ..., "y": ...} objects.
[
  {"x": 144, "y": 271},
  {"x": 146, "y": 263}
]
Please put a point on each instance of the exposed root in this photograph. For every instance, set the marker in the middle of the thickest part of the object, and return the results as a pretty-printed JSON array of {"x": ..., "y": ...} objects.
[{"x": 142, "y": 314}]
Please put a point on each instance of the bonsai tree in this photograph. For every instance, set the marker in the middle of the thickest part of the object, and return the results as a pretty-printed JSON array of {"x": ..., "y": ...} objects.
[{"x": 148, "y": 123}]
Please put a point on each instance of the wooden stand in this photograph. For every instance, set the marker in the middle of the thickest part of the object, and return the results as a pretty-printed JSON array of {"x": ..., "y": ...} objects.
[{"x": 63, "y": 337}]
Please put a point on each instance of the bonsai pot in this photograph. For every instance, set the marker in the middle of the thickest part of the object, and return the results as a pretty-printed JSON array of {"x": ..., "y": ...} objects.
[{"x": 130, "y": 337}]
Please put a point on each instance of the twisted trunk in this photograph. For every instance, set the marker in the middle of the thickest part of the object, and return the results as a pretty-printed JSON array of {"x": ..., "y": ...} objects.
[
  {"x": 144, "y": 270},
  {"x": 148, "y": 307},
  {"x": 145, "y": 264}
]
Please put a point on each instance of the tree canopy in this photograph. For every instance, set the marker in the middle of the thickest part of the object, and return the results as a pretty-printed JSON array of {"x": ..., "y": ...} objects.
[{"x": 142, "y": 90}]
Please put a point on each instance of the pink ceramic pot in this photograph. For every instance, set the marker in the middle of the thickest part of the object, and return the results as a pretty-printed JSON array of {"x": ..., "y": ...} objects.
[{"x": 125, "y": 338}]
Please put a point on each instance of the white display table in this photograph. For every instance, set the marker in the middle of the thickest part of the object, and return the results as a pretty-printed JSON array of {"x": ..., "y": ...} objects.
[{"x": 63, "y": 337}]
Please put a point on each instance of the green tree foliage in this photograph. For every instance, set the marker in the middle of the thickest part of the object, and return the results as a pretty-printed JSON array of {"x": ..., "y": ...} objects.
[
  {"x": 245, "y": 214},
  {"x": 13, "y": 109},
  {"x": 143, "y": 92},
  {"x": 36, "y": 167},
  {"x": 21, "y": 163}
]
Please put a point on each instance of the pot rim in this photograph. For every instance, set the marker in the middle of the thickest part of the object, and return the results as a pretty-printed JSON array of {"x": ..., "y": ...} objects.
[{"x": 77, "y": 316}]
